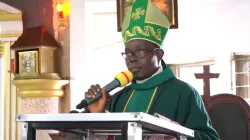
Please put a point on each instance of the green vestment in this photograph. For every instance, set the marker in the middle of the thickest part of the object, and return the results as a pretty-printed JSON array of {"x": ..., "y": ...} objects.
[{"x": 168, "y": 96}]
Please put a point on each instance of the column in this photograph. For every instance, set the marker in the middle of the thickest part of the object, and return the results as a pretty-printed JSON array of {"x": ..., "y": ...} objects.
[
  {"x": 8, "y": 99},
  {"x": 1, "y": 96}
]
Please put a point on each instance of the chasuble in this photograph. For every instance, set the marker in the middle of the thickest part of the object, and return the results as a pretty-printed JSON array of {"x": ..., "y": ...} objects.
[{"x": 168, "y": 96}]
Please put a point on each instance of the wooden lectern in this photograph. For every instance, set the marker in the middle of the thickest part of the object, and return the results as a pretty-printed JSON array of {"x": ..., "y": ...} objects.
[{"x": 131, "y": 126}]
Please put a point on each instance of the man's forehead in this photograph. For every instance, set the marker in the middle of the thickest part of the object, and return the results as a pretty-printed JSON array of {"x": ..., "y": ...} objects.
[{"x": 139, "y": 44}]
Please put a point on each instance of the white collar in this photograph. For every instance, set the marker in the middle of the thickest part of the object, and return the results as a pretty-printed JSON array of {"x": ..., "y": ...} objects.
[{"x": 157, "y": 72}]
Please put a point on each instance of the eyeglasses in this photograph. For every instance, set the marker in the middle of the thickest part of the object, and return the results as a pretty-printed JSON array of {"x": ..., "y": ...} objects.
[{"x": 137, "y": 54}]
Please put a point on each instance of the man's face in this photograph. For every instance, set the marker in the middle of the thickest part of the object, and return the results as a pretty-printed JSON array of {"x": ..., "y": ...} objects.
[{"x": 142, "y": 58}]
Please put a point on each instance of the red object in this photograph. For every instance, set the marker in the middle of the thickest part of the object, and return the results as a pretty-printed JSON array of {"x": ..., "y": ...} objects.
[
  {"x": 60, "y": 15},
  {"x": 206, "y": 79},
  {"x": 12, "y": 65},
  {"x": 125, "y": 75},
  {"x": 111, "y": 138},
  {"x": 59, "y": 9}
]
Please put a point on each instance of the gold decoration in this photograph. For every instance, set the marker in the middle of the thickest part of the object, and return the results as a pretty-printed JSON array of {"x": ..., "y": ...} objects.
[
  {"x": 148, "y": 31},
  {"x": 9, "y": 35},
  {"x": 39, "y": 88},
  {"x": 37, "y": 64},
  {"x": 36, "y": 69},
  {"x": 53, "y": 76},
  {"x": 11, "y": 17},
  {"x": 28, "y": 62},
  {"x": 7, "y": 16},
  {"x": 138, "y": 12},
  {"x": 2, "y": 12}
]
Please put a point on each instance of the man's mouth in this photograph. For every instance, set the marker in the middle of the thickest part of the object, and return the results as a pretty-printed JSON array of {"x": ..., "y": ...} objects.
[{"x": 134, "y": 70}]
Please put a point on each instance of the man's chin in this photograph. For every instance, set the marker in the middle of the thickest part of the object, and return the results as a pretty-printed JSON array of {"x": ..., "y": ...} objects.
[{"x": 139, "y": 78}]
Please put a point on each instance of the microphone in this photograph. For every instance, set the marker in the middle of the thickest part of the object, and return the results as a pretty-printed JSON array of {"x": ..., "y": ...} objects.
[{"x": 121, "y": 80}]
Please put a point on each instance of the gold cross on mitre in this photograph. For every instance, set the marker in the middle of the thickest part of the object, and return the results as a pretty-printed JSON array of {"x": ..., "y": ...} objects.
[{"x": 138, "y": 12}]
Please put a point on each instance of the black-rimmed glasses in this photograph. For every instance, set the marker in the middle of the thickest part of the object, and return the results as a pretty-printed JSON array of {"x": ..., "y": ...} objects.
[{"x": 137, "y": 54}]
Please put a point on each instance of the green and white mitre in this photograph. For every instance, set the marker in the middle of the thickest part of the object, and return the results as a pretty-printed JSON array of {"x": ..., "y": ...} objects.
[{"x": 146, "y": 20}]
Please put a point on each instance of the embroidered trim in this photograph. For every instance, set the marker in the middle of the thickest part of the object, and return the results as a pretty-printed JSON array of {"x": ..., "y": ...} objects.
[{"x": 148, "y": 31}]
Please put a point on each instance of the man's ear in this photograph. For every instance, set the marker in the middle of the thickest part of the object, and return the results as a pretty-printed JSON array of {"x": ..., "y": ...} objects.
[{"x": 160, "y": 54}]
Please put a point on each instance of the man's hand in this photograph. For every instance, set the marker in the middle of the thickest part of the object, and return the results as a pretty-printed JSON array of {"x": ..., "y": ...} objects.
[{"x": 100, "y": 105}]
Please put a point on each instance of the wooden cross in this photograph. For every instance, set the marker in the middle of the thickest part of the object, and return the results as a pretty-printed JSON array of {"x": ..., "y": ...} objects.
[{"x": 206, "y": 75}]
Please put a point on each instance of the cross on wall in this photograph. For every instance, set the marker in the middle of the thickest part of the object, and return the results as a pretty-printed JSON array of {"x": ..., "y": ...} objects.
[{"x": 206, "y": 76}]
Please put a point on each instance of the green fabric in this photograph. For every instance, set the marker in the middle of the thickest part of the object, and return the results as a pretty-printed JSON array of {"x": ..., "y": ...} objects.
[
  {"x": 174, "y": 99},
  {"x": 141, "y": 97},
  {"x": 144, "y": 20},
  {"x": 139, "y": 101}
]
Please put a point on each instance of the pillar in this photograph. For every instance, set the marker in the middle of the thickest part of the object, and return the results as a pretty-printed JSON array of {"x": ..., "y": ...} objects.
[{"x": 1, "y": 93}]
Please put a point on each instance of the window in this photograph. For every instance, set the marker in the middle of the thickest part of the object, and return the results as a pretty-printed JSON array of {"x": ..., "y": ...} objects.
[{"x": 240, "y": 72}]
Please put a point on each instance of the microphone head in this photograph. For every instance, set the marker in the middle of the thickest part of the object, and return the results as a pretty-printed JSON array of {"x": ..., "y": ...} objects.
[{"x": 124, "y": 77}]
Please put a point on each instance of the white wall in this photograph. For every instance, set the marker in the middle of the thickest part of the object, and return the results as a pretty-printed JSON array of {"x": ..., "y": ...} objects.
[
  {"x": 205, "y": 29},
  {"x": 208, "y": 27},
  {"x": 104, "y": 59},
  {"x": 77, "y": 51},
  {"x": 87, "y": 64}
]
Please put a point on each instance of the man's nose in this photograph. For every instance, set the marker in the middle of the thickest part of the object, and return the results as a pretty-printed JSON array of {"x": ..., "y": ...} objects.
[{"x": 133, "y": 59}]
